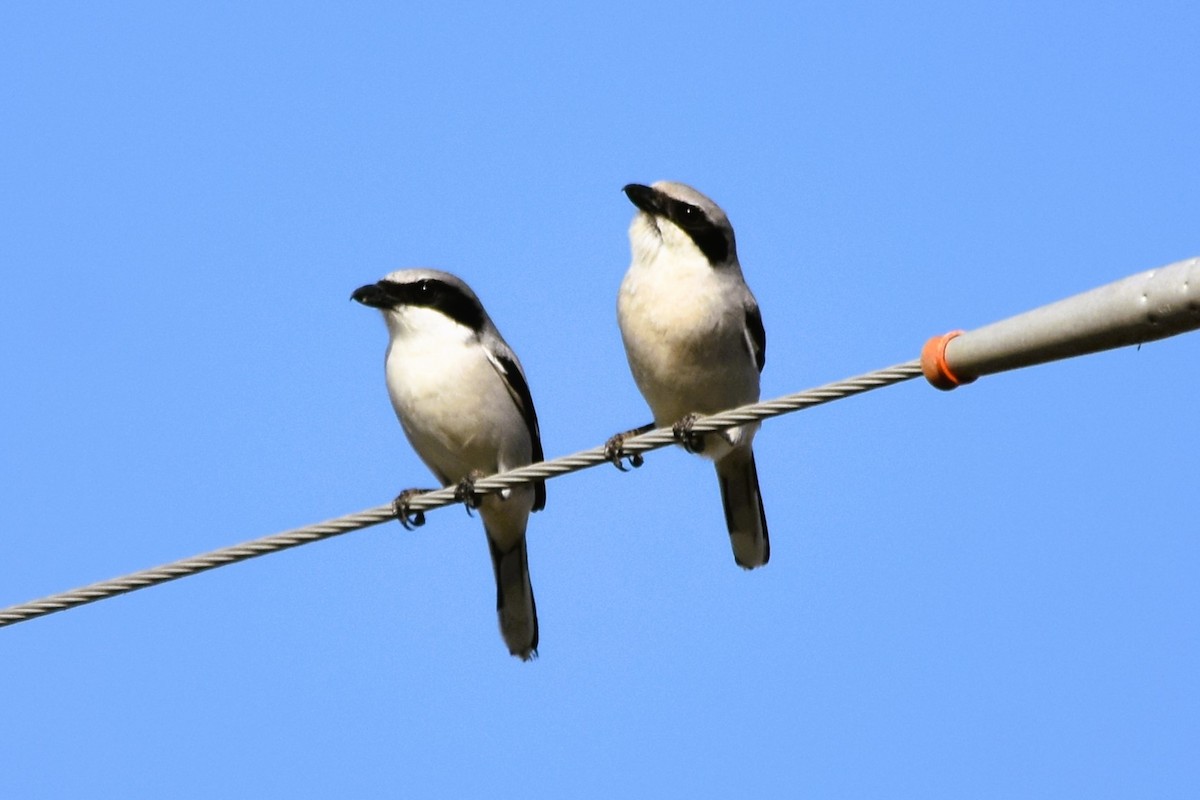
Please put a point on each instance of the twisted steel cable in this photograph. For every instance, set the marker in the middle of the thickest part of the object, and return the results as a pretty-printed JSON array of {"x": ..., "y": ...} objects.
[{"x": 544, "y": 470}]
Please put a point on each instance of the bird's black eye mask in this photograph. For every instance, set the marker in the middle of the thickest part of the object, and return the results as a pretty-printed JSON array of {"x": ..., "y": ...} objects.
[
  {"x": 438, "y": 295},
  {"x": 699, "y": 228}
]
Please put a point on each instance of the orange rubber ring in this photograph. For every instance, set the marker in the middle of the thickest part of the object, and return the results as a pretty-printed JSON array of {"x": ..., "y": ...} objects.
[{"x": 934, "y": 366}]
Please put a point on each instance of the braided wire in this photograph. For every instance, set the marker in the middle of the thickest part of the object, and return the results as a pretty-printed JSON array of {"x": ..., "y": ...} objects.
[{"x": 543, "y": 470}]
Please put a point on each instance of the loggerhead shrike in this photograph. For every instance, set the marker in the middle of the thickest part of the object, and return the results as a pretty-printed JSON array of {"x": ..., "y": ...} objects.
[
  {"x": 461, "y": 397},
  {"x": 695, "y": 341}
]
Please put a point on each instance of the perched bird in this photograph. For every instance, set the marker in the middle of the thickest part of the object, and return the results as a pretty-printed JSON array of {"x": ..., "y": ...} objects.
[
  {"x": 462, "y": 399},
  {"x": 695, "y": 341}
]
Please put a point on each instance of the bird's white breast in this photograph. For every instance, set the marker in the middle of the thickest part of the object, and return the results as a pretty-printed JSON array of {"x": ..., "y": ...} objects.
[
  {"x": 684, "y": 328},
  {"x": 451, "y": 401}
]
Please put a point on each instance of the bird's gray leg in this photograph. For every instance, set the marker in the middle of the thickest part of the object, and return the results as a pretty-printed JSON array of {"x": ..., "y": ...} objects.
[
  {"x": 614, "y": 448},
  {"x": 692, "y": 442},
  {"x": 411, "y": 520},
  {"x": 465, "y": 491}
]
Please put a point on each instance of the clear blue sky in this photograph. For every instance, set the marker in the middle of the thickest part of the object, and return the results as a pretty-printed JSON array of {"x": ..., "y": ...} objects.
[{"x": 987, "y": 593}]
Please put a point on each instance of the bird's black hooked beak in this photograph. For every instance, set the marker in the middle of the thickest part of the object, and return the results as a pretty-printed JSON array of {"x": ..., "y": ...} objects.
[
  {"x": 372, "y": 295},
  {"x": 646, "y": 198}
]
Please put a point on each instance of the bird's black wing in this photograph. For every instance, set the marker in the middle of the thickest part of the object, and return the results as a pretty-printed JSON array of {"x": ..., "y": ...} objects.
[
  {"x": 756, "y": 335},
  {"x": 518, "y": 389}
]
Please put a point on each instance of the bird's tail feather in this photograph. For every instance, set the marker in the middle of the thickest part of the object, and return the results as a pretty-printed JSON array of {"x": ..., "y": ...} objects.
[
  {"x": 515, "y": 606},
  {"x": 744, "y": 514}
]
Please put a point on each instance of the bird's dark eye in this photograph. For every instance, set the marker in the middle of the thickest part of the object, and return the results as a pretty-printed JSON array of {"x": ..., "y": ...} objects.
[{"x": 423, "y": 288}]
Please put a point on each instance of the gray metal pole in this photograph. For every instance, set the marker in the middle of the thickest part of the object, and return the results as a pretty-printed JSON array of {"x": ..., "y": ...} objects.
[{"x": 1141, "y": 308}]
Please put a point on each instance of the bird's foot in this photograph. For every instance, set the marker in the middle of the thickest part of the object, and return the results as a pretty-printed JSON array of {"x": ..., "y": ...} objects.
[
  {"x": 411, "y": 520},
  {"x": 465, "y": 492},
  {"x": 614, "y": 449},
  {"x": 692, "y": 442}
]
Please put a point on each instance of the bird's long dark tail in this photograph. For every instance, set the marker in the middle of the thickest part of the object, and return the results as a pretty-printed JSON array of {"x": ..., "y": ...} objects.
[
  {"x": 743, "y": 508},
  {"x": 515, "y": 607}
]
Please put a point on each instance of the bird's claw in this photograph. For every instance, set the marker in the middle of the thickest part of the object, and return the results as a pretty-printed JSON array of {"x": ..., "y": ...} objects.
[
  {"x": 614, "y": 452},
  {"x": 692, "y": 442},
  {"x": 411, "y": 520},
  {"x": 465, "y": 492}
]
